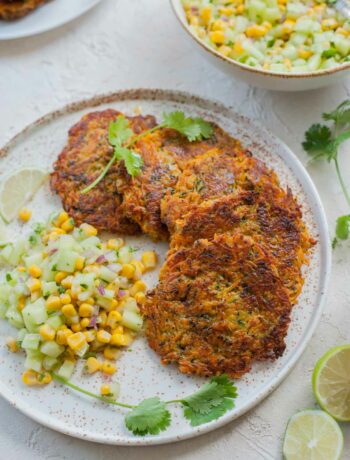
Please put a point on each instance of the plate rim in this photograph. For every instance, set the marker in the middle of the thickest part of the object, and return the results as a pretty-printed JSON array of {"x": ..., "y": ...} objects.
[
  {"x": 323, "y": 237},
  {"x": 44, "y": 29}
]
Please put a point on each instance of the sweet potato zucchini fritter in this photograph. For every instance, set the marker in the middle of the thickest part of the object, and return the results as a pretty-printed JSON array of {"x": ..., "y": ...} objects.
[
  {"x": 219, "y": 306},
  {"x": 81, "y": 161},
  {"x": 274, "y": 222},
  {"x": 15, "y": 9},
  {"x": 165, "y": 155}
]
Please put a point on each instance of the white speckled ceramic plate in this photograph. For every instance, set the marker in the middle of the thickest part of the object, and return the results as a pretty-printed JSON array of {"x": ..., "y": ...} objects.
[
  {"x": 140, "y": 373},
  {"x": 54, "y": 14}
]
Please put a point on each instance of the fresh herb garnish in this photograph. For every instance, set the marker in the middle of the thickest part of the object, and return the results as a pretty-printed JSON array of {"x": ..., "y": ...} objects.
[
  {"x": 8, "y": 277},
  {"x": 322, "y": 142},
  {"x": 122, "y": 138},
  {"x": 151, "y": 415}
]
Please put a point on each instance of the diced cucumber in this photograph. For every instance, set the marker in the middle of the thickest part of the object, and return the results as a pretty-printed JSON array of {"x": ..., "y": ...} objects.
[
  {"x": 106, "y": 274},
  {"x": 6, "y": 252},
  {"x": 115, "y": 390},
  {"x": 82, "y": 350},
  {"x": 49, "y": 288},
  {"x": 103, "y": 302},
  {"x": 49, "y": 363},
  {"x": 31, "y": 342},
  {"x": 91, "y": 242},
  {"x": 34, "y": 360},
  {"x": 55, "y": 322},
  {"x": 17, "y": 252},
  {"x": 66, "y": 370},
  {"x": 34, "y": 314},
  {"x": 35, "y": 259},
  {"x": 132, "y": 320},
  {"x": 21, "y": 334},
  {"x": 66, "y": 261},
  {"x": 14, "y": 317},
  {"x": 52, "y": 349},
  {"x": 125, "y": 254},
  {"x": 131, "y": 305}
]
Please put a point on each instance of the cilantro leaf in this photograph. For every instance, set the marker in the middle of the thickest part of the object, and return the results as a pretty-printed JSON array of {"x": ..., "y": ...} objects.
[
  {"x": 193, "y": 128},
  {"x": 133, "y": 161},
  {"x": 330, "y": 52},
  {"x": 211, "y": 401},
  {"x": 342, "y": 230},
  {"x": 149, "y": 417},
  {"x": 319, "y": 142},
  {"x": 119, "y": 131},
  {"x": 341, "y": 115}
]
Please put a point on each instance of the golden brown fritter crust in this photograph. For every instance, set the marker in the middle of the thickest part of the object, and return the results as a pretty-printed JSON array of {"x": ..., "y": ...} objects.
[
  {"x": 212, "y": 175},
  {"x": 10, "y": 10},
  {"x": 142, "y": 194},
  {"x": 274, "y": 222},
  {"x": 81, "y": 161},
  {"x": 219, "y": 306},
  {"x": 165, "y": 154}
]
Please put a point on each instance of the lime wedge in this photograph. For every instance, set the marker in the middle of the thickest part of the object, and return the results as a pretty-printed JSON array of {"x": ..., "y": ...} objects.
[
  {"x": 331, "y": 382},
  {"x": 3, "y": 232},
  {"x": 17, "y": 189},
  {"x": 312, "y": 434}
]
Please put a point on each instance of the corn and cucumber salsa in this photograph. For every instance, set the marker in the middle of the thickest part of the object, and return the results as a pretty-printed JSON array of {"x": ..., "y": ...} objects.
[
  {"x": 274, "y": 35},
  {"x": 71, "y": 296}
]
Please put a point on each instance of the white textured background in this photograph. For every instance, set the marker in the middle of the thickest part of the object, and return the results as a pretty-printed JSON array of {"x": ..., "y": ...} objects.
[{"x": 137, "y": 43}]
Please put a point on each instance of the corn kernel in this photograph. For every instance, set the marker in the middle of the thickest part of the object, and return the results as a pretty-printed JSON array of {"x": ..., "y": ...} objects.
[
  {"x": 90, "y": 301},
  {"x": 86, "y": 310},
  {"x": 84, "y": 323},
  {"x": 24, "y": 214},
  {"x": 108, "y": 368},
  {"x": 88, "y": 229},
  {"x": 115, "y": 243},
  {"x": 60, "y": 276},
  {"x": 140, "y": 297},
  {"x": 35, "y": 271},
  {"x": 105, "y": 390},
  {"x": 53, "y": 303},
  {"x": 89, "y": 335},
  {"x": 76, "y": 341},
  {"x": 119, "y": 340},
  {"x": 304, "y": 54},
  {"x": 226, "y": 11},
  {"x": 139, "y": 286},
  {"x": 128, "y": 271},
  {"x": 102, "y": 319},
  {"x": 12, "y": 345},
  {"x": 34, "y": 285},
  {"x": 58, "y": 231},
  {"x": 21, "y": 303},
  {"x": 219, "y": 24},
  {"x": 329, "y": 24},
  {"x": 21, "y": 269},
  {"x": 69, "y": 310},
  {"x": 65, "y": 299},
  {"x": 206, "y": 14},
  {"x": 139, "y": 269},
  {"x": 217, "y": 37},
  {"x": 44, "y": 378},
  {"x": 47, "y": 332},
  {"x": 255, "y": 31},
  {"x": 62, "y": 217},
  {"x": 240, "y": 9},
  {"x": 67, "y": 282},
  {"x": 68, "y": 225},
  {"x": 238, "y": 48},
  {"x": 103, "y": 336},
  {"x": 111, "y": 353},
  {"x": 62, "y": 336},
  {"x": 114, "y": 317},
  {"x": 76, "y": 327},
  {"x": 30, "y": 378},
  {"x": 92, "y": 365},
  {"x": 79, "y": 264},
  {"x": 225, "y": 50},
  {"x": 149, "y": 259}
]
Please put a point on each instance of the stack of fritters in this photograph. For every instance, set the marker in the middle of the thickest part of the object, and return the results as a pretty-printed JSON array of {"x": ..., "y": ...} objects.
[
  {"x": 15, "y": 9},
  {"x": 237, "y": 239}
]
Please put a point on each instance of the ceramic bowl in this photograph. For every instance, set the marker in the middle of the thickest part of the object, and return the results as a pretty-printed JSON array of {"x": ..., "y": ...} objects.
[{"x": 277, "y": 81}]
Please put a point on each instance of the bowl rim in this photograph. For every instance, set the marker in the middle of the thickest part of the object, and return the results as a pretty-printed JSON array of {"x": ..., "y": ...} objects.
[{"x": 286, "y": 75}]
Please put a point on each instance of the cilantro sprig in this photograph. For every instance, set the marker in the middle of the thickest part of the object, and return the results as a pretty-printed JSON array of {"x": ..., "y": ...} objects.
[
  {"x": 122, "y": 138},
  {"x": 151, "y": 416},
  {"x": 322, "y": 142}
]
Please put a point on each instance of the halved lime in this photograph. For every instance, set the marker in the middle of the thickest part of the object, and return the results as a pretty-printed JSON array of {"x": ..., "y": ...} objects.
[
  {"x": 17, "y": 189},
  {"x": 312, "y": 435},
  {"x": 331, "y": 382}
]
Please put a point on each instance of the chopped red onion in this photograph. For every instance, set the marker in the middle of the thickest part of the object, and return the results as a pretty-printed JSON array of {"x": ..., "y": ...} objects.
[
  {"x": 122, "y": 293},
  {"x": 101, "y": 259},
  {"x": 101, "y": 289}
]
